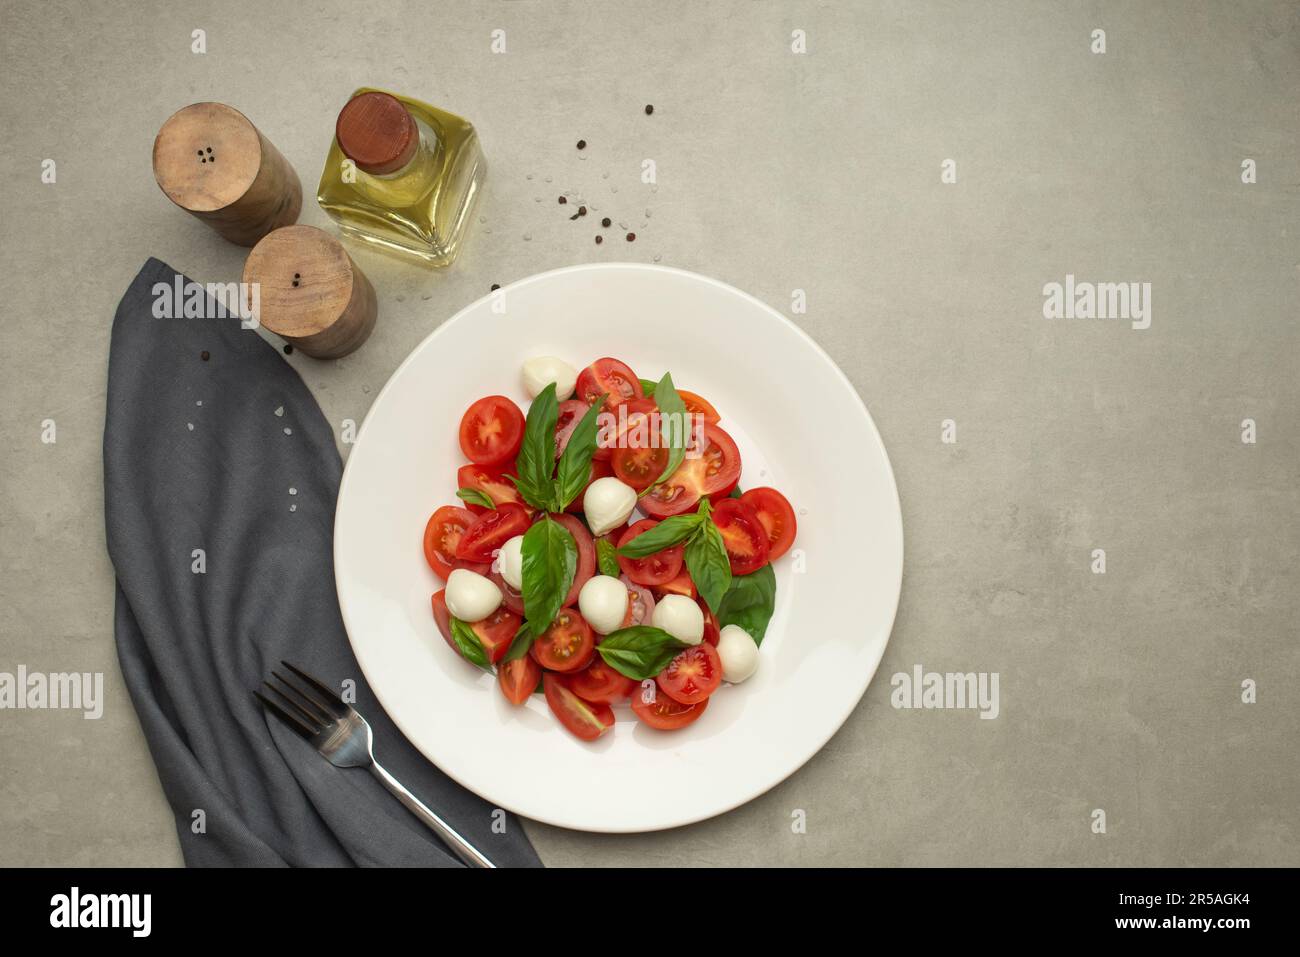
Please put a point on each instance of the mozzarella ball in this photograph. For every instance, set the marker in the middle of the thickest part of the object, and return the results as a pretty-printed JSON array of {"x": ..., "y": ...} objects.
[
  {"x": 603, "y": 602},
  {"x": 739, "y": 654},
  {"x": 607, "y": 504},
  {"x": 470, "y": 596},
  {"x": 510, "y": 562},
  {"x": 680, "y": 617},
  {"x": 543, "y": 370}
]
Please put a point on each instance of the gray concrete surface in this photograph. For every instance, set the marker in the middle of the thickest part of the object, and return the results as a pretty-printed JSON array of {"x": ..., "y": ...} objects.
[{"x": 777, "y": 172}]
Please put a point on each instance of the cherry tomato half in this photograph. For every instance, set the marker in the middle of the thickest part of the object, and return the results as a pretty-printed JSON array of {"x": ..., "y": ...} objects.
[
  {"x": 743, "y": 534},
  {"x": 491, "y": 430},
  {"x": 442, "y": 536},
  {"x": 518, "y": 679},
  {"x": 496, "y": 632},
  {"x": 655, "y": 569},
  {"x": 698, "y": 405},
  {"x": 491, "y": 481},
  {"x": 586, "y": 554},
  {"x": 509, "y": 597},
  {"x": 442, "y": 618},
  {"x": 712, "y": 631},
  {"x": 776, "y": 516},
  {"x": 567, "y": 645},
  {"x": 601, "y": 683},
  {"x": 630, "y": 424},
  {"x": 711, "y": 471},
  {"x": 583, "y": 719},
  {"x": 664, "y": 713},
  {"x": 693, "y": 675},
  {"x": 639, "y": 467},
  {"x": 611, "y": 378},
  {"x": 491, "y": 530},
  {"x": 681, "y": 585}
]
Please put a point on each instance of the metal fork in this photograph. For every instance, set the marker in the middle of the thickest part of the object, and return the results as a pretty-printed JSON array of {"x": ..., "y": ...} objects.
[{"x": 345, "y": 740}]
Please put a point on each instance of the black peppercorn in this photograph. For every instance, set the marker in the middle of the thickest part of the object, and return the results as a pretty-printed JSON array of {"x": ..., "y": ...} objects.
[
  {"x": 204, "y": 355},
  {"x": 582, "y": 144},
  {"x": 582, "y": 210},
  {"x": 649, "y": 109},
  {"x": 599, "y": 240},
  {"x": 605, "y": 222},
  {"x": 631, "y": 237},
  {"x": 495, "y": 287},
  {"x": 288, "y": 349}
]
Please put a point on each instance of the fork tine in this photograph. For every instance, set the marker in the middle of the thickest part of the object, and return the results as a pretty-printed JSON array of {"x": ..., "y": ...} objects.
[
  {"x": 330, "y": 695},
  {"x": 294, "y": 723},
  {"x": 304, "y": 700},
  {"x": 310, "y": 717}
]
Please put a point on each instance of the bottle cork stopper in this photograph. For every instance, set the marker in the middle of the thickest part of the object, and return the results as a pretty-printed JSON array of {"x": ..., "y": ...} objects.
[
  {"x": 311, "y": 292},
  {"x": 213, "y": 163},
  {"x": 377, "y": 132}
]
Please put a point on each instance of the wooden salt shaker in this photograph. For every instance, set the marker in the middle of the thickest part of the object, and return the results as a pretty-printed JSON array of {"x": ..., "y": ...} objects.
[
  {"x": 311, "y": 293},
  {"x": 215, "y": 164}
]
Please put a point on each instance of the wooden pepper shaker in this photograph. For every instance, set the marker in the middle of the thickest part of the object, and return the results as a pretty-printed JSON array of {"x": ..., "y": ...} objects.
[
  {"x": 215, "y": 164},
  {"x": 310, "y": 292}
]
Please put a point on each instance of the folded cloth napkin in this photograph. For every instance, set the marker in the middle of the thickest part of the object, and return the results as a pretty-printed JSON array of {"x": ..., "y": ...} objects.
[{"x": 220, "y": 477}]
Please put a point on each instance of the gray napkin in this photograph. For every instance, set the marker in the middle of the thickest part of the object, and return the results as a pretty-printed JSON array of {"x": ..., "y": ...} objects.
[{"x": 232, "y": 456}]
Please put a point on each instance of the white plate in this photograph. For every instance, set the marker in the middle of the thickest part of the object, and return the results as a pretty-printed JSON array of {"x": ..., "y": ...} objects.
[{"x": 800, "y": 427}]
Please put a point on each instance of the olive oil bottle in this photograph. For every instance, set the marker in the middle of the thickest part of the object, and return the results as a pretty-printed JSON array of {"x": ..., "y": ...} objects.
[{"x": 402, "y": 175}]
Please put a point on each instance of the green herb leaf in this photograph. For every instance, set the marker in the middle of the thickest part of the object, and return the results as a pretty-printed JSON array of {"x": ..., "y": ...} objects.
[
  {"x": 535, "y": 465},
  {"x": 471, "y": 648},
  {"x": 477, "y": 496},
  {"x": 707, "y": 562},
  {"x": 749, "y": 602},
  {"x": 575, "y": 463},
  {"x": 550, "y": 560},
  {"x": 606, "y": 557},
  {"x": 647, "y": 387},
  {"x": 639, "y": 652},
  {"x": 674, "y": 425},
  {"x": 520, "y": 643},
  {"x": 671, "y": 531}
]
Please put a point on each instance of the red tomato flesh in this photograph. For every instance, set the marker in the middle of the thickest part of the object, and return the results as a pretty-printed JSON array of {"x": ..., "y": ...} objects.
[
  {"x": 518, "y": 679},
  {"x": 491, "y": 530},
  {"x": 496, "y": 632},
  {"x": 611, "y": 378},
  {"x": 442, "y": 536},
  {"x": 743, "y": 534},
  {"x": 600, "y": 683},
  {"x": 567, "y": 645},
  {"x": 665, "y": 714},
  {"x": 776, "y": 516},
  {"x": 587, "y": 720},
  {"x": 693, "y": 675},
  {"x": 662, "y": 566},
  {"x": 714, "y": 469},
  {"x": 491, "y": 481},
  {"x": 491, "y": 430}
]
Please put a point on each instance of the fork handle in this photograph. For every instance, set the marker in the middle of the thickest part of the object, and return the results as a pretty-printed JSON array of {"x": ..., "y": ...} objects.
[{"x": 462, "y": 848}]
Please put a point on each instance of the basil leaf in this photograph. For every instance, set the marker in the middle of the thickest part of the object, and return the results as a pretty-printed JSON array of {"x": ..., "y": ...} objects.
[
  {"x": 749, "y": 602},
  {"x": 476, "y": 496},
  {"x": 520, "y": 643},
  {"x": 671, "y": 531},
  {"x": 674, "y": 424},
  {"x": 550, "y": 560},
  {"x": 471, "y": 648},
  {"x": 575, "y": 463},
  {"x": 536, "y": 462},
  {"x": 647, "y": 387},
  {"x": 639, "y": 652},
  {"x": 707, "y": 562},
  {"x": 606, "y": 558}
]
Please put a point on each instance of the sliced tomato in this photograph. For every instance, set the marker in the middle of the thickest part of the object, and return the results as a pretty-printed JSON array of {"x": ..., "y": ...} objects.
[
  {"x": 629, "y": 424},
  {"x": 714, "y": 470},
  {"x": 681, "y": 585},
  {"x": 509, "y": 597},
  {"x": 491, "y": 530},
  {"x": 712, "y": 631},
  {"x": 693, "y": 675},
  {"x": 655, "y": 569},
  {"x": 569, "y": 415},
  {"x": 601, "y": 683},
  {"x": 698, "y": 405},
  {"x": 743, "y": 534},
  {"x": 611, "y": 378},
  {"x": 640, "y": 604},
  {"x": 586, "y": 554},
  {"x": 497, "y": 631},
  {"x": 639, "y": 467},
  {"x": 567, "y": 645},
  {"x": 518, "y": 679},
  {"x": 599, "y": 469},
  {"x": 664, "y": 713},
  {"x": 442, "y": 617},
  {"x": 587, "y": 720},
  {"x": 777, "y": 517},
  {"x": 491, "y": 481},
  {"x": 491, "y": 430},
  {"x": 442, "y": 535}
]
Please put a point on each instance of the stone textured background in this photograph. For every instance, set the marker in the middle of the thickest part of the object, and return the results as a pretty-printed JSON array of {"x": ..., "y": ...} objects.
[{"x": 776, "y": 172}]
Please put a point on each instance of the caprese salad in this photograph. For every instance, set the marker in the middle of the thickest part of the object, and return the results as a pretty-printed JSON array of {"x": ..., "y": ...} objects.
[{"x": 602, "y": 550}]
